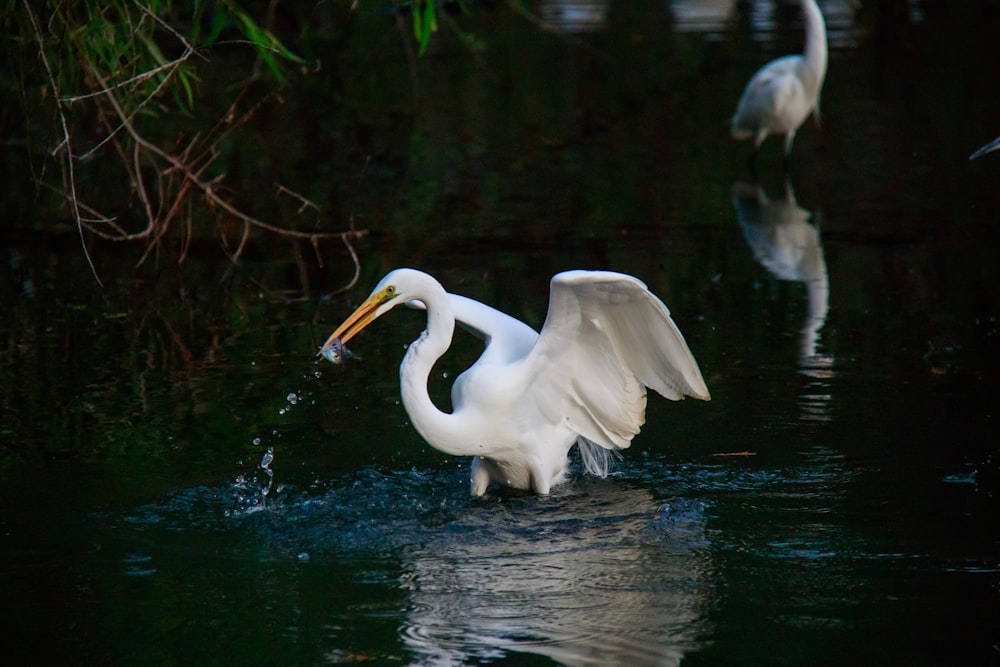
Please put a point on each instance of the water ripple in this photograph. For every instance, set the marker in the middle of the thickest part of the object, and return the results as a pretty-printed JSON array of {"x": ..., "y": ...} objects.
[{"x": 601, "y": 571}]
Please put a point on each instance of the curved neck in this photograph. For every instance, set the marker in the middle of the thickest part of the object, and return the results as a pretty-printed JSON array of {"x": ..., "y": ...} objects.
[
  {"x": 438, "y": 428},
  {"x": 816, "y": 49}
]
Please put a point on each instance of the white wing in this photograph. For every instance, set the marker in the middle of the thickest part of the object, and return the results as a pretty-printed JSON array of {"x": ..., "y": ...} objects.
[
  {"x": 606, "y": 338},
  {"x": 774, "y": 100}
]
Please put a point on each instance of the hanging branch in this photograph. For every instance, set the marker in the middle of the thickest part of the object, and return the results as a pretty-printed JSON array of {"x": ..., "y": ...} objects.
[
  {"x": 179, "y": 173},
  {"x": 207, "y": 189},
  {"x": 66, "y": 142}
]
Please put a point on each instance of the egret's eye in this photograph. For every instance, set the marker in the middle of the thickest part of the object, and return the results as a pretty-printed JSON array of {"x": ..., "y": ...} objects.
[{"x": 390, "y": 290}]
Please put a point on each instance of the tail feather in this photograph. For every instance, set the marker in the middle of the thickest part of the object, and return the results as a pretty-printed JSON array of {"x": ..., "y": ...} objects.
[{"x": 597, "y": 460}]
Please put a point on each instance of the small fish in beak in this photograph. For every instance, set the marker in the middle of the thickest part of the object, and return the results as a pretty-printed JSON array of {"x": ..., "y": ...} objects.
[{"x": 335, "y": 352}]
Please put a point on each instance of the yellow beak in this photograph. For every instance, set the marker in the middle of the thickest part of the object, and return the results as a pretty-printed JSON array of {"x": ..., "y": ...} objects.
[{"x": 359, "y": 319}]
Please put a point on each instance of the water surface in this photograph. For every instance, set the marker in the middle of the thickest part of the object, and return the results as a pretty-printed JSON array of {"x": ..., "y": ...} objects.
[{"x": 835, "y": 503}]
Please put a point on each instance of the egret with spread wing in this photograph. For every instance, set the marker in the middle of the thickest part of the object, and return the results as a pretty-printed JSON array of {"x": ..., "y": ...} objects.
[
  {"x": 781, "y": 95},
  {"x": 530, "y": 397}
]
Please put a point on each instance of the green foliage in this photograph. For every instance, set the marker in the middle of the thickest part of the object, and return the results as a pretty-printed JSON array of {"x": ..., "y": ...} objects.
[
  {"x": 267, "y": 45},
  {"x": 137, "y": 46},
  {"x": 105, "y": 68},
  {"x": 425, "y": 19},
  {"x": 134, "y": 111},
  {"x": 424, "y": 22}
]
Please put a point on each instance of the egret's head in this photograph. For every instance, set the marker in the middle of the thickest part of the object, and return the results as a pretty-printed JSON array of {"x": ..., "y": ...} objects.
[{"x": 389, "y": 293}]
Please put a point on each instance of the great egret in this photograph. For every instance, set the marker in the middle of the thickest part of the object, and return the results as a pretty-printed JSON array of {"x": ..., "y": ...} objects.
[
  {"x": 780, "y": 96},
  {"x": 529, "y": 397}
]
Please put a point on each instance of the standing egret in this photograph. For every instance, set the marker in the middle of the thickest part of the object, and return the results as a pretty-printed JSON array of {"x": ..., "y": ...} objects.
[
  {"x": 530, "y": 397},
  {"x": 782, "y": 93}
]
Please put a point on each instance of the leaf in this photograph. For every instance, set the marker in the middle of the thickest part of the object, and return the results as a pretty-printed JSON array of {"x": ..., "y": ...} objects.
[
  {"x": 184, "y": 76},
  {"x": 219, "y": 21},
  {"x": 266, "y": 44},
  {"x": 424, "y": 23}
]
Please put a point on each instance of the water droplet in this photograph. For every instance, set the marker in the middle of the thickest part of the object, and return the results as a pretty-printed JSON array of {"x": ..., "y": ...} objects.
[
  {"x": 281, "y": 411},
  {"x": 318, "y": 374},
  {"x": 256, "y": 441},
  {"x": 445, "y": 375},
  {"x": 303, "y": 556},
  {"x": 292, "y": 398},
  {"x": 267, "y": 458}
]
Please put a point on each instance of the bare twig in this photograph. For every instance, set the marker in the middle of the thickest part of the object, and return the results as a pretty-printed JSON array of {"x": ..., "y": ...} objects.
[
  {"x": 243, "y": 242},
  {"x": 138, "y": 78},
  {"x": 98, "y": 217},
  {"x": 357, "y": 264},
  {"x": 67, "y": 142},
  {"x": 295, "y": 195},
  {"x": 167, "y": 27},
  {"x": 170, "y": 67},
  {"x": 209, "y": 192}
]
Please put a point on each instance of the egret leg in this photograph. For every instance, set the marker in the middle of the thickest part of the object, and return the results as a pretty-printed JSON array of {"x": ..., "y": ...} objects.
[
  {"x": 539, "y": 484},
  {"x": 480, "y": 477},
  {"x": 789, "y": 138},
  {"x": 789, "y": 188}
]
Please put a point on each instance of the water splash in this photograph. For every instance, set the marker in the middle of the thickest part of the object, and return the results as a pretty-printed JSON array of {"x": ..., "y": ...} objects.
[{"x": 265, "y": 464}]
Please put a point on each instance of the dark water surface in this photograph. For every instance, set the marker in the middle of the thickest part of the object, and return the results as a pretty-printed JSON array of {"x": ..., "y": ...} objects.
[{"x": 835, "y": 503}]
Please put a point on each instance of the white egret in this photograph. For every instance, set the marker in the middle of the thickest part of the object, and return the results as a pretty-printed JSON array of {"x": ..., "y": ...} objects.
[
  {"x": 781, "y": 95},
  {"x": 988, "y": 148},
  {"x": 529, "y": 397}
]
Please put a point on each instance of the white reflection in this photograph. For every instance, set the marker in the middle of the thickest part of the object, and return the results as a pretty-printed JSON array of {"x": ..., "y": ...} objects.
[
  {"x": 598, "y": 578},
  {"x": 789, "y": 247},
  {"x": 573, "y": 16},
  {"x": 712, "y": 17}
]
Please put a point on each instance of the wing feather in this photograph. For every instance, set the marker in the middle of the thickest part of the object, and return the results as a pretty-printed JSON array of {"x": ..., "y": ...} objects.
[
  {"x": 606, "y": 338},
  {"x": 762, "y": 105}
]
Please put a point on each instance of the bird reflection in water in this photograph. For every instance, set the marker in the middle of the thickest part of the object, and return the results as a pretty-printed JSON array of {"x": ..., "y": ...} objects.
[
  {"x": 607, "y": 576},
  {"x": 573, "y": 17},
  {"x": 785, "y": 243}
]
